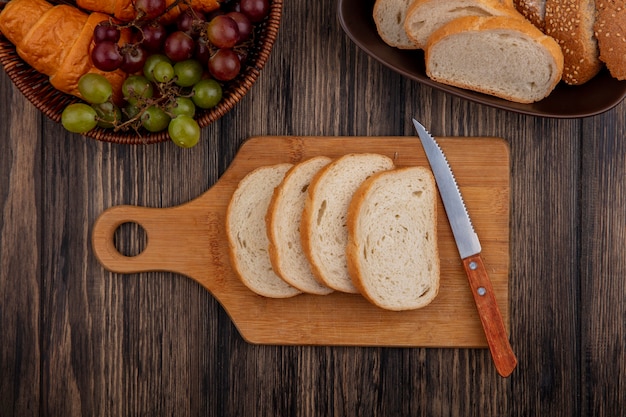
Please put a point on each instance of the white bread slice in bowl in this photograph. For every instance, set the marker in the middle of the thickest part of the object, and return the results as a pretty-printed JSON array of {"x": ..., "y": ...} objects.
[{"x": 502, "y": 56}]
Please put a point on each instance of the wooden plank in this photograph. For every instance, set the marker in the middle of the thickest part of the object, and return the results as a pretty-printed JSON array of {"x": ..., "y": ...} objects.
[
  {"x": 482, "y": 169},
  {"x": 603, "y": 265},
  {"x": 20, "y": 249}
]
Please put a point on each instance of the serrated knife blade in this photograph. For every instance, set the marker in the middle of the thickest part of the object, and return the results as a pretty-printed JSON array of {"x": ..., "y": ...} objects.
[{"x": 469, "y": 248}]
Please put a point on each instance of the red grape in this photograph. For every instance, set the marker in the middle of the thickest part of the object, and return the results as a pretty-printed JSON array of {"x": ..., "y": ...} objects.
[
  {"x": 150, "y": 9},
  {"x": 153, "y": 36},
  {"x": 244, "y": 24},
  {"x": 224, "y": 65},
  {"x": 105, "y": 31},
  {"x": 202, "y": 52},
  {"x": 223, "y": 32},
  {"x": 179, "y": 46},
  {"x": 106, "y": 56},
  {"x": 256, "y": 10},
  {"x": 133, "y": 59},
  {"x": 190, "y": 22}
]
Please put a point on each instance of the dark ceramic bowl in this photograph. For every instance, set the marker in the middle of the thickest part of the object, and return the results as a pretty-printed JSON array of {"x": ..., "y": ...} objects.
[{"x": 598, "y": 95}]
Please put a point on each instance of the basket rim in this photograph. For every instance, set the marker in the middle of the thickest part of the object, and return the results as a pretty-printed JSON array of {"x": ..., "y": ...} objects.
[{"x": 51, "y": 102}]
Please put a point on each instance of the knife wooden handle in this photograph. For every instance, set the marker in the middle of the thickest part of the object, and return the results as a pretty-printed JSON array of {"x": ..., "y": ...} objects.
[{"x": 490, "y": 316}]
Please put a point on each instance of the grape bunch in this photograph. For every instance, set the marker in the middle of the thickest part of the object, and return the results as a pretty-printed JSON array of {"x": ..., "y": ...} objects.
[{"x": 172, "y": 68}]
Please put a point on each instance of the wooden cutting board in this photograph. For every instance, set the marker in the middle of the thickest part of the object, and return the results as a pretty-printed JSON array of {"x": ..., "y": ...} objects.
[{"x": 481, "y": 166}]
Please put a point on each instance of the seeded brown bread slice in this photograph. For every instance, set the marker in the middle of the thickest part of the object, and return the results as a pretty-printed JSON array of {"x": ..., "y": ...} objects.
[
  {"x": 246, "y": 232},
  {"x": 392, "y": 250},
  {"x": 571, "y": 23},
  {"x": 610, "y": 31},
  {"x": 534, "y": 11}
]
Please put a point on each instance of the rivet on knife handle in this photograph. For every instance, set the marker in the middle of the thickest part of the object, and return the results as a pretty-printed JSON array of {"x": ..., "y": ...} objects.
[
  {"x": 469, "y": 247},
  {"x": 490, "y": 317}
]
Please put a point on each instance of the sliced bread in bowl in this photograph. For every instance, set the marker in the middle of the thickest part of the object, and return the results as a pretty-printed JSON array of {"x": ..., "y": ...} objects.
[
  {"x": 571, "y": 23},
  {"x": 323, "y": 228},
  {"x": 247, "y": 233},
  {"x": 426, "y": 16},
  {"x": 283, "y": 219},
  {"x": 392, "y": 251},
  {"x": 389, "y": 18},
  {"x": 502, "y": 56}
]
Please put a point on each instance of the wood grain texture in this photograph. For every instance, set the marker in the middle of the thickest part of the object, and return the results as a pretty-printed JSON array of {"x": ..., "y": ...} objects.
[
  {"x": 78, "y": 340},
  {"x": 451, "y": 320}
]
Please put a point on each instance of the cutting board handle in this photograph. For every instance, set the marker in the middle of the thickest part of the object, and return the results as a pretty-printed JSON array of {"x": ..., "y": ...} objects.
[{"x": 172, "y": 236}]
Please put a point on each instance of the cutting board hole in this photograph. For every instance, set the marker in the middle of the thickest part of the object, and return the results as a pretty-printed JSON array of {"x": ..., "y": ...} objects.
[{"x": 130, "y": 239}]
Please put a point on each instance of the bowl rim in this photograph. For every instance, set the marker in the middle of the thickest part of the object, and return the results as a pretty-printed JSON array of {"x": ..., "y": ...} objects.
[
  {"x": 37, "y": 89},
  {"x": 565, "y": 102}
]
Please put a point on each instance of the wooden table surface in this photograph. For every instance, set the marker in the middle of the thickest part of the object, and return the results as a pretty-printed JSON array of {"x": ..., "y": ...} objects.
[{"x": 78, "y": 340}]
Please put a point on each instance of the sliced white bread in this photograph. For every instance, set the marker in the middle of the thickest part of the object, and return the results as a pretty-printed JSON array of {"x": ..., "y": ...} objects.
[
  {"x": 283, "y": 219},
  {"x": 533, "y": 10},
  {"x": 323, "y": 229},
  {"x": 392, "y": 250},
  {"x": 571, "y": 23},
  {"x": 389, "y": 19},
  {"x": 610, "y": 30},
  {"x": 426, "y": 16},
  {"x": 246, "y": 232},
  {"x": 502, "y": 56}
]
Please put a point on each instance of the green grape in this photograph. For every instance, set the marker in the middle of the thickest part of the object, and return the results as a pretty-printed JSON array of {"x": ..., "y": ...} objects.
[
  {"x": 184, "y": 131},
  {"x": 206, "y": 93},
  {"x": 94, "y": 88},
  {"x": 109, "y": 114},
  {"x": 154, "y": 119},
  {"x": 187, "y": 72},
  {"x": 79, "y": 118},
  {"x": 131, "y": 111},
  {"x": 151, "y": 62},
  {"x": 182, "y": 106},
  {"x": 163, "y": 72},
  {"x": 136, "y": 87}
]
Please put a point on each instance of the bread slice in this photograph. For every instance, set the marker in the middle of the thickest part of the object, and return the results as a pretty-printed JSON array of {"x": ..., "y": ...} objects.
[
  {"x": 389, "y": 19},
  {"x": 534, "y": 11},
  {"x": 610, "y": 31},
  {"x": 246, "y": 232},
  {"x": 283, "y": 227},
  {"x": 323, "y": 229},
  {"x": 426, "y": 16},
  {"x": 503, "y": 56},
  {"x": 392, "y": 250},
  {"x": 571, "y": 23}
]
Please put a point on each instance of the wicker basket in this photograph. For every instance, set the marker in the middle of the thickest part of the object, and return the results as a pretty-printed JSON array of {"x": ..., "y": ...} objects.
[{"x": 51, "y": 102}]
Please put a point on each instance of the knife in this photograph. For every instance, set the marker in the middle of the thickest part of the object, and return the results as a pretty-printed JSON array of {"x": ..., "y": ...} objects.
[{"x": 469, "y": 248}]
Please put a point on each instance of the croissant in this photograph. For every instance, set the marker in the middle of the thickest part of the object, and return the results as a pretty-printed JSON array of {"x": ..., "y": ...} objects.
[
  {"x": 124, "y": 9},
  {"x": 56, "y": 41}
]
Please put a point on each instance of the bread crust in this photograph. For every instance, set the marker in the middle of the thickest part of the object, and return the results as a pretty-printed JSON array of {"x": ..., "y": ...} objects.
[
  {"x": 473, "y": 23},
  {"x": 571, "y": 23},
  {"x": 610, "y": 31}
]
